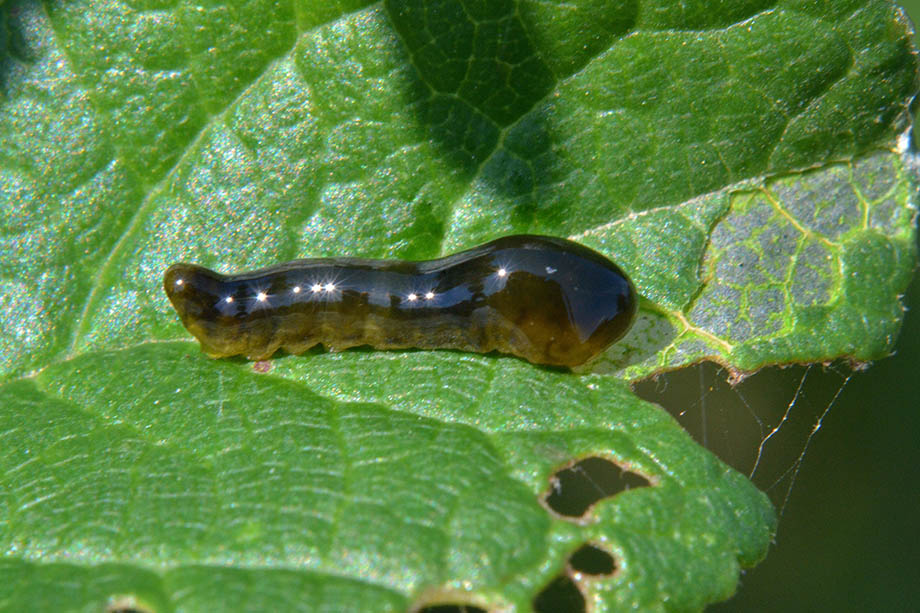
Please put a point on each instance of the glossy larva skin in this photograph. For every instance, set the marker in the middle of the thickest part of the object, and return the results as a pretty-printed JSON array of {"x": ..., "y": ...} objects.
[{"x": 547, "y": 300}]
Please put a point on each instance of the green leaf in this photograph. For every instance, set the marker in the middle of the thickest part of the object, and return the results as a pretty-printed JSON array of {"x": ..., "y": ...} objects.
[{"x": 740, "y": 160}]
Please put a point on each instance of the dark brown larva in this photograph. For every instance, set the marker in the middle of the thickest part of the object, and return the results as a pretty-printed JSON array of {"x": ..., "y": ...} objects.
[{"x": 547, "y": 300}]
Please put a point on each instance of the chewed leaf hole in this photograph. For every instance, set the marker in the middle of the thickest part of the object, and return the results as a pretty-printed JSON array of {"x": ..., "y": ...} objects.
[
  {"x": 592, "y": 560},
  {"x": 126, "y": 604},
  {"x": 451, "y": 608},
  {"x": 560, "y": 596},
  {"x": 576, "y": 488}
]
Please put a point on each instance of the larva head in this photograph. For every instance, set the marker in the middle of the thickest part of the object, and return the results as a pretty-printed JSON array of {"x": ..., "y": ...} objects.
[{"x": 568, "y": 303}]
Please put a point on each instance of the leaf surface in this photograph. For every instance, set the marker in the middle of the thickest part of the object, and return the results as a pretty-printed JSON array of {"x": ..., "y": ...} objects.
[{"x": 737, "y": 159}]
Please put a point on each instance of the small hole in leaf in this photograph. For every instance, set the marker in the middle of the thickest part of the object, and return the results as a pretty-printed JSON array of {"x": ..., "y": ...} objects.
[
  {"x": 126, "y": 604},
  {"x": 579, "y": 486},
  {"x": 592, "y": 560},
  {"x": 560, "y": 596},
  {"x": 451, "y": 608}
]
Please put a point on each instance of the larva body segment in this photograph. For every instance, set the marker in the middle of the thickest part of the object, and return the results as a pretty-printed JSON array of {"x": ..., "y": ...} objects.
[{"x": 547, "y": 300}]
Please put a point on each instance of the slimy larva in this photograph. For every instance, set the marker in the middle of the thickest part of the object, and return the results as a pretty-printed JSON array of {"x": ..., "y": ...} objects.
[{"x": 547, "y": 300}]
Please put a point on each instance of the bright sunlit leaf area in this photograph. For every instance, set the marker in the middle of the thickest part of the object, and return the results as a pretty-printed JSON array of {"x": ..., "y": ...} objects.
[{"x": 746, "y": 163}]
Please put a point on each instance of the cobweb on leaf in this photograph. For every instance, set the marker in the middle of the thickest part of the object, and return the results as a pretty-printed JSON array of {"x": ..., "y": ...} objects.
[{"x": 764, "y": 425}]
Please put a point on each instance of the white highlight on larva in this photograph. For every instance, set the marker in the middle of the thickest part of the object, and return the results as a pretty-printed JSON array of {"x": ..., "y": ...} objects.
[
  {"x": 415, "y": 297},
  {"x": 317, "y": 287},
  {"x": 497, "y": 280},
  {"x": 262, "y": 296}
]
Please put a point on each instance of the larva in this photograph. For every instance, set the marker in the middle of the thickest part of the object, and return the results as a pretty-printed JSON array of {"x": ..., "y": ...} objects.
[{"x": 547, "y": 300}]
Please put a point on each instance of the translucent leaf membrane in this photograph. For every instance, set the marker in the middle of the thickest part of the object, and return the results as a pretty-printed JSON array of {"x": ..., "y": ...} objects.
[{"x": 803, "y": 268}]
